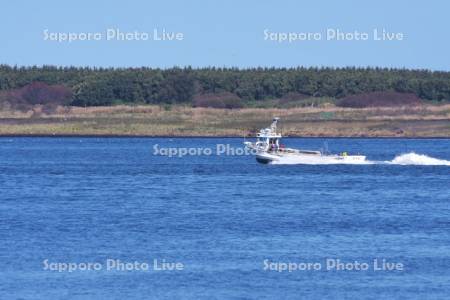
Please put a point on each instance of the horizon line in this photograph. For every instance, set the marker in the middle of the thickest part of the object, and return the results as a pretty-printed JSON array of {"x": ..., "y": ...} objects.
[{"x": 322, "y": 67}]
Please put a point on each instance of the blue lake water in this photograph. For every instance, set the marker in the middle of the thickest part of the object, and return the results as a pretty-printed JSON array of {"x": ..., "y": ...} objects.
[{"x": 89, "y": 200}]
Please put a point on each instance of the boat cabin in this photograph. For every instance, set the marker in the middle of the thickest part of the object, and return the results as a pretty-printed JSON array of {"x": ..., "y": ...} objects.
[{"x": 268, "y": 139}]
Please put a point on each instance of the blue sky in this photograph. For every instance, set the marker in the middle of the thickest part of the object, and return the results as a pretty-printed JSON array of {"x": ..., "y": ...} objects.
[{"x": 227, "y": 33}]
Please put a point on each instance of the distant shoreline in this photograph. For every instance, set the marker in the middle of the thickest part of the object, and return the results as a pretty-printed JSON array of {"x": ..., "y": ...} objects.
[
  {"x": 424, "y": 121},
  {"x": 213, "y": 137}
]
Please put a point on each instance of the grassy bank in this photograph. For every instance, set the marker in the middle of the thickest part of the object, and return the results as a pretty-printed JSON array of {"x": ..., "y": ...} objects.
[{"x": 420, "y": 121}]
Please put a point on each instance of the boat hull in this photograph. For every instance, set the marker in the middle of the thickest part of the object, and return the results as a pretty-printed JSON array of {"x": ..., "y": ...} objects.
[{"x": 299, "y": 158}]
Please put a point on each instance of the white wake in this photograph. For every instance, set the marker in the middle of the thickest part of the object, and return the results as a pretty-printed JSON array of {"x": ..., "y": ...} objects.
[
  {"x": 403, "y": 159},
  {"x": 418, "y": 159}
]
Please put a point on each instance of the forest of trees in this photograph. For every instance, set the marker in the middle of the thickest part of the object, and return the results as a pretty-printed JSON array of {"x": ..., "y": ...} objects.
[{"x": 108, "y": 86}]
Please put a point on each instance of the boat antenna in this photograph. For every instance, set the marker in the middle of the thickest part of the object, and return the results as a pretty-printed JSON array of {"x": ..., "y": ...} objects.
[
  {"x": 273, "y": 126},
  {"x": 325, "y": 148}
]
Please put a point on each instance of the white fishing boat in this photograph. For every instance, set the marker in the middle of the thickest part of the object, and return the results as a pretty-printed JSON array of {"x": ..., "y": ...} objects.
[{"x": 268, "y": 149}]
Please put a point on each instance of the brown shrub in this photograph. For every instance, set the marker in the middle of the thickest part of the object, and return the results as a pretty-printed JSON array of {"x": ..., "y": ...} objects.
[
  {"x": 37, "y": 93},
  {"x": 219, "y": 100},
  {"x": 379, "y": 99},
  {"x": 293, "y": 97}
]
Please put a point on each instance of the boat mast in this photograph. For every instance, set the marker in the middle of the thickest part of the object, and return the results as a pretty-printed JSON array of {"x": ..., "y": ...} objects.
[{"x": 273, "y": 126}]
